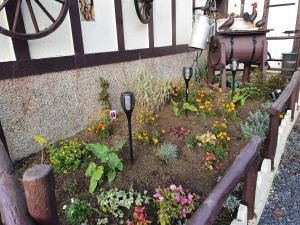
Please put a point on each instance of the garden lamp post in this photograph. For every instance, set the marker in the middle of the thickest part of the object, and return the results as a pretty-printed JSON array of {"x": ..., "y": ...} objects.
[
  {"x": 234, "y": 67},
  {"x": 127, "y": 103},
  {"x": 187, "y": 73}
]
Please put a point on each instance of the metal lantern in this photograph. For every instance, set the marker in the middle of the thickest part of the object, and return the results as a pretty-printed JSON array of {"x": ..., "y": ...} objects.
[
  {"x": 275, "y": 94},
  {"x": 127, "y": 102},
  {"x": 234, "y": 67},
  {"x": 187, "y": 73}
]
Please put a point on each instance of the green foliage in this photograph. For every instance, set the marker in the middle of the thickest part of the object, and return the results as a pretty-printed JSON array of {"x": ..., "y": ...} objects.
[
  {"x": 116, "y": 203},
  {"x": 43, "y": 142},
  {"x": 174, "y": 205},
  {"x": 151, "y": 93},
  {"x": 191, "y": 142},
  {"x": 256, "y": 124},
  {"x": 67, "y": 156},
  {"x": 243, "y": 93},
  {"x": 71, "y": 188},
  {"x": 104, "y": 94},
  {"x": 78, "y": 212},
  {"x": 109, "y": 158},
  {"x": 202, "y": 69},
  {"x": 167, "y": 152},
  {"x": 178, "y": 107},
  {"x": 232, "y": 203},
  {"x": 219, "y": 151},
  {"x": 95, "y": 173}
]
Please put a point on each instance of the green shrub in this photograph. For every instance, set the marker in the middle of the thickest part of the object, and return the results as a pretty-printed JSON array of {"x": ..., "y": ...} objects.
[
  {"x": 167, "y": 152},
  {"x": 256, "y": 124},
  {"x": 67, "y": 156},
  {"x": 109, "y": 158},
  {"x": 232, "y": 203},
  {"x": 191, "y": 142},
  {"x": 95, "y": 173},
  {"x": 78, "y": 211}
]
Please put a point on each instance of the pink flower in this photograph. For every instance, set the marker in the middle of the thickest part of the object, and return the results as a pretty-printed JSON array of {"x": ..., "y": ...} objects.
[
  {"x": 161, "y": 198},
  {"x": 130, "y": 223},
  {"x": 183, "y": 213},
  {"x": 157, "y": 195},
  {"x": 180, "y": 189},
  {"x": 190, "y": 197},
  {"x": 184, "y": 201},
  {"x": 178, "y": 198},
  {"x": 173, "y": 187}
]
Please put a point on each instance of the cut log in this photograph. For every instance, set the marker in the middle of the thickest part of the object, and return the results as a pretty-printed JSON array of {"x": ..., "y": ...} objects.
[
  {"x": 40, "y": 194},
  {"x": 13, "y": 208}
]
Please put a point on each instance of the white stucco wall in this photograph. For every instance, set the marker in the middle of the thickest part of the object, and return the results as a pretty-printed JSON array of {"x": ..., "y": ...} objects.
[
  {"x": 184, "y": 18},
  {"x": 135, "y": 33},
  {"x": 162, "y": 22},
  {"x": 6, "y": 47},
  {"x": 101, "y": 35}
]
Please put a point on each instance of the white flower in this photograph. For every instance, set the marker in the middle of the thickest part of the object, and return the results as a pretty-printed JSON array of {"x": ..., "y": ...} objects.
[{"x": 64, "y": 207}]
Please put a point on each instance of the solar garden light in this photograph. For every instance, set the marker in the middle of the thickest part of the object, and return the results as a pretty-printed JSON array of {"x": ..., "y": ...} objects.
[
  {"x": 187, "y": 73},
  {"x": 127, "y": 103},
  {"x": 275, "y": 94},
  {"x": 234, "y": 67}
]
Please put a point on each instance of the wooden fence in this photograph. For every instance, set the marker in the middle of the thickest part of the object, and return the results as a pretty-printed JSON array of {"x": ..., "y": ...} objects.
[{"x": 257, "y": 181}]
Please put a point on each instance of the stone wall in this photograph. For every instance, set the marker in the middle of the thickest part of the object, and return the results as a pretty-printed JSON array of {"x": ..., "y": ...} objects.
[{"x": 57, "y": 105}]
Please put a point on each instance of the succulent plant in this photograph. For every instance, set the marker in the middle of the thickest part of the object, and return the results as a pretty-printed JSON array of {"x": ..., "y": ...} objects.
[
  {"x": 167, "y": 152},
  {"x": 257, "y": 124},
  {"x": 232, "y": 203}
]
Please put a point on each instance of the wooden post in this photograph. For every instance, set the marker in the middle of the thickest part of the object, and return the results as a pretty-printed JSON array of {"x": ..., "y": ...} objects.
[
  {"x": 292, "y": 102},
  {"x": 40, "y": 194},
  {"x": 13, "y": 207},
  {"x": 273, "y": 135},
  {"x": 250, "y": 187},
  {"x": 246, "y": 73}
]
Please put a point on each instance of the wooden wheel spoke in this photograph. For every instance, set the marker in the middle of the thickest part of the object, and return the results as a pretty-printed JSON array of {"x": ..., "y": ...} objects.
[
  {"x": 60, "y": 1},
  {"x": 3, "y": 4},
  {"x": 45, "y": 10},
  {"x": 17, "y": 13},
  {"x": 32, "y": 15}
]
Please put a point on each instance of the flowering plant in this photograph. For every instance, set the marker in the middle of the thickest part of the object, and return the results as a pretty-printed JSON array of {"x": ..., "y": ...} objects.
[
  {"x": 102, "y": 126},
  {"x": 139, "y": 217},
  {"x": 142, "y": 135},
  {"x": 174, "y": 204}
]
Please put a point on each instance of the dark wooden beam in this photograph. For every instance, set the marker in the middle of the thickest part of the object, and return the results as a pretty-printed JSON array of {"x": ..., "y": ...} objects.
[
  {"x": 151, "y": 32},
  {"x": 57, "y": 64},
  {"x": 119, "y": 23},
  {"x": 174, "y": 22},
  {"x": 20, "y": 46},
  {"x": 296, "y": 43},
  {"x": 266, "y": 13},
  {"x": 76, "y": 33}
]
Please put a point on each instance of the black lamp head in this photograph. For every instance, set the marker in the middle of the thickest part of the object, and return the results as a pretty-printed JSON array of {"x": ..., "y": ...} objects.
[
  {"x": 127, "y": 101},
  {"x": 234, "y": 65},
  {"x": 187, "y": 73}
]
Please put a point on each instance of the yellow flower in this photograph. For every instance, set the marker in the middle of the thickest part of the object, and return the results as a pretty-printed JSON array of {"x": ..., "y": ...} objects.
[
  {"x": 228, "y": 138},
  {"x": 155, "y": 141},
  {"x": 220, "y": 90},
  {"x": 202, "y": 107}
]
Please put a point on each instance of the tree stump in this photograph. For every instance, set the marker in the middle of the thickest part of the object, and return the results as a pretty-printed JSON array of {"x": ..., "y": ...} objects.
[{"x": 40, "y": 194}]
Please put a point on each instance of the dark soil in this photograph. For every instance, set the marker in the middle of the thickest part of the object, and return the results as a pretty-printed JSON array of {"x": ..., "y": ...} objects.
[{"x": 148, "y": 172}]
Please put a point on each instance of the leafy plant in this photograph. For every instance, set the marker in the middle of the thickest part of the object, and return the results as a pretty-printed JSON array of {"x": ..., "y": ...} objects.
[
  {"x": 43, "y": 142},
  {"x": 151, "y": 93},
  {"x": 67, "y": 156},
  {"x": 180, "y": 132},
  {"x": 256, "y": 124},
  {"x": 95, "y": 173},
  {"x": 78, "y": 211},
  {"x": 116, "y": 203},
  {"x": 139, "y": 217},
  {"x": 109, "y": 158},
  {"x": 167, "y": 152},
  {"x": 232, "y": 203},
  {"x": 101, "y": 127},
  {"x": 174, "y": 204},
  {"x": 191, "y": 142},
  {"x": 177, "y": 108},
  {"x": 104, "y": 94}
]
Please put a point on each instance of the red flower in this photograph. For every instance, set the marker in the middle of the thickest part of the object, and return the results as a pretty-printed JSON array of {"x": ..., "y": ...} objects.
[
  {"x": 130, "y": 223},
  {"x": 139, "y": 209}
]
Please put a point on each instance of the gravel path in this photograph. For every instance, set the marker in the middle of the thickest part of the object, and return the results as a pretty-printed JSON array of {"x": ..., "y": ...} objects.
[{"x": 283, "y": 205}]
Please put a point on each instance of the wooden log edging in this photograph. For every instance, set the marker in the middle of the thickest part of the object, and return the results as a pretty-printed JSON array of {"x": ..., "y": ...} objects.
[
  {"x": 39, "y": 189},
  {"x": 13, "y": 208},
  {"x": 246, "y": 162}
]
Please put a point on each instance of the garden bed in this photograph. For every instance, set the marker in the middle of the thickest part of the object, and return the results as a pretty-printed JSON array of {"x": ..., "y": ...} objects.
[{"x": 191, "y": 168}]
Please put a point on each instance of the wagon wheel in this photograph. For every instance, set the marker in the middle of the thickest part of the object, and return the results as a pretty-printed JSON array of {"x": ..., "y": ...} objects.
[
  {"x": 39, "y": 33},
  {"x": 144, "y": 10}
]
